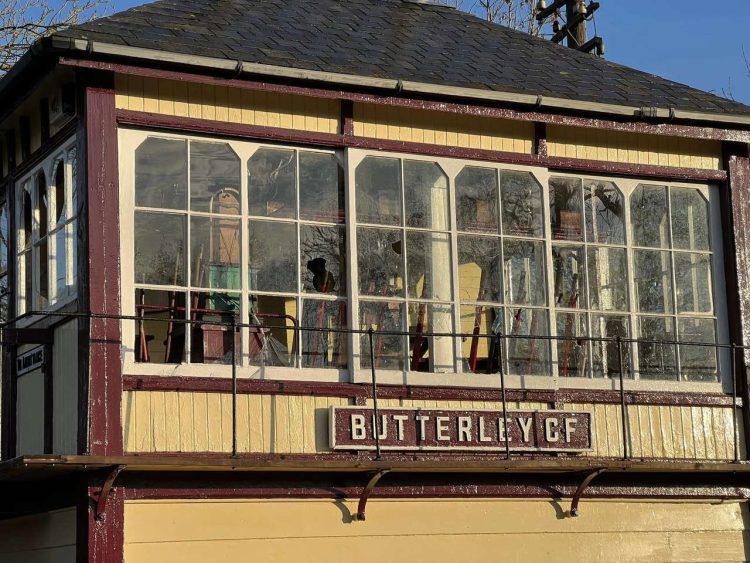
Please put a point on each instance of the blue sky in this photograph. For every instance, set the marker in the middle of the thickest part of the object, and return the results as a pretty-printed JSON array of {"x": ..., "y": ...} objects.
[{"x": 677, "y": 39}]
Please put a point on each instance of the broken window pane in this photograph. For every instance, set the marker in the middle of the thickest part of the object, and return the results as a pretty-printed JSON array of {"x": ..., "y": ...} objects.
[
  {"x": 214, "y": 178},
  {"x": 215, "y": 252},
  {"x": 698, "y": 363},
  {"x": 608, "y": 278},
  {"x": 653, "y": 281},
  {"x": 323, "y": 259},
  {"x": 693, "y": 282},
  {"x": 476, "y": 200},
  {"x": 380, "y": 262},
  {"x": 211, "y": 332},
  {"x": 566, "y": 208},
  {"x": 160, "y": 328},
  {"x": 428, "y": 265},
  {"x": 159, "y": 248},
  {"x": 656, "y": 360},
  {"x": 570, "y": 276},
  {"x": 479, "y": 260},
  {"x": 321, "y": 187},
  {"x": 161, "y": 173},
  {"x": 606, "y": 355},
  {"x": 431, "y": 353},
  {"x": 273, "y": 340},
  {"x": 521, "y": 197},
  {"x": 426, "y": 195},
  {"x": 605, "y": 213},
  {"x": 272, "y": 181},
  {"x": 378, "y": 189},
  {"x": 527, "y": 356},
  {"x": 572, "y": 353},
  {"x": 321, "y": 347},
  {"x": 387, "y": 349},
  {"x": 648, "y": 213},
  {"x": 273, "y": 256},
  {"x": 524, "y": 272}
]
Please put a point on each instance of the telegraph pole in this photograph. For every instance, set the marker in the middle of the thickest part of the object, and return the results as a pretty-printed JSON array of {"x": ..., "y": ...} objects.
[
  {"x": 574, "y": 29},
  {"x": 577, "y": 35}
]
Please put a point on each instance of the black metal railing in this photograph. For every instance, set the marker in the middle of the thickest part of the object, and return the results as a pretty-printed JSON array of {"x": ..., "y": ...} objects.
[{"x": 496, "y": 344}]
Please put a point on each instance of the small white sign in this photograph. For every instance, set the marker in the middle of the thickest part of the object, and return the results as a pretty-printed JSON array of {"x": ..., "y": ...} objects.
[{"x": 31, "y": 360}]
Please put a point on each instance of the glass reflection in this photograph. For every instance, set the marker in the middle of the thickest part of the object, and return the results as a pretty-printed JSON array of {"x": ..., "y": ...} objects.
[
  {"x": 476, "y": 200},
  {"x": 606, "y": 354},
  {"x": 605, "y": 213},
  {"x": 521, "y": 197},
  {"x": 215, "y": 251},
  {"x": 273, "y": 256},
  {"x": 430, "y": 353},
  {"x": 321, "y": 187},
  {"x": 160, "y": 336},
  {"x": 323, "y": 347},
  {"x": 272, "y": 181},
  {"x": 527, "y": 356},
  {"x": 380, "y": 262},
  {"x": 572, "y": 352},
  {"x": 387, "y": 349},
  {"x": 273, "y": 340},
  {"x": 161, "y": 172},
  {"x": 211, "y": 334},
  {"x": 698, "y": 363},
  {"x": 428, "y": 263},
  {"x": 479, "y": 260},
  {"x": 690, "y": 230},
  {"x": 524, "y": 272},
  {"x": 566, "y": 208},
  {"x": 569, "y": 276},
  {"x": 693, "y": 282},
  {"x": 378, "y": 191},
  {"x": 214, "y": 178},
  {"x": 653, "y": 281},
  {"x": 159, "y": 248},
  {"x": 648, "y": 213},
  {"x": 426, "y": 195},
  {"x": 323, "y": 259},
  {"x": 656, "y": 360},
  {"x": 608, "y": 278}
]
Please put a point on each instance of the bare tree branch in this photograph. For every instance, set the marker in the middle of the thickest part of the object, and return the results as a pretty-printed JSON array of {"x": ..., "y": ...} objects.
[
  {"x": 24, "y": 21},
  {"x": 516, "y": 14}
]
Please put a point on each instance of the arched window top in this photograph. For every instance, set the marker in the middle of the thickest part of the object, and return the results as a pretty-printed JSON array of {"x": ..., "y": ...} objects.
[
  {"x": 60, "y": 192},
  {"x": 42, "y": 203}
]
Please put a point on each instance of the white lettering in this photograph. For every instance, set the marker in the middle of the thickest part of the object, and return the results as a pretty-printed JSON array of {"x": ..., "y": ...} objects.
[
  {"x": 550, "y": 430},
  {"x": 400, "y": 419},
  {"x": 441, "y": 427},
  {"x": 464, "y": 429},
  {"x": 383, "y": 427},
  {"x": 525, "y": 424},
  {"x": 502, "y": 436},
  {"x": 570, "y": 428},
  {"x": 358, "y": 427},
  {"x": 422, "y": 420},
  {"x": 482, "y": 436}
]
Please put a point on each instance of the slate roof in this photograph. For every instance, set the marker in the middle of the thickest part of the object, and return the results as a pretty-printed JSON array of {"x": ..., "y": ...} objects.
[{"x": 395, "y": 39}]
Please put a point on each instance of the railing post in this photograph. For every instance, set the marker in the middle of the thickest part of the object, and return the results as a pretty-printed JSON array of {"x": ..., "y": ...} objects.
[
  {"x": 623, "y": 409},
  {"x": 499, "y": 348},
  {"x": 735, "y": 438},
  {"x": 376, "y": 415},
  {"x": 234, "y": 386}
]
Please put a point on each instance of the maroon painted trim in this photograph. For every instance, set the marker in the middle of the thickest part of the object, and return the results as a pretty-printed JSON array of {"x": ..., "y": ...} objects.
[
  {"x": 202, "y": 126},
  {"x": 347, "y": 118},
  {"x": 53, "y": 144},
  {"x": 355, "y": 391},
  {"x": 472, "y": 108},
  {"x": 105, "y": 536},
  {"x": 102, "y": 222},
  {"x": 540, "y": 139}
]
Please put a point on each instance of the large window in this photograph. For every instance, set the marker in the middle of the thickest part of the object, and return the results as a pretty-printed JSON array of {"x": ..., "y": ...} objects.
[
  {"x": 484, "y": 267},
  {"x": 46, "y": 223}
]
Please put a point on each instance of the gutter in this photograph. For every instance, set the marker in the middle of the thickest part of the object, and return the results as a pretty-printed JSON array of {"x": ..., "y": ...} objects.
[{"x": 240, "y": 68}]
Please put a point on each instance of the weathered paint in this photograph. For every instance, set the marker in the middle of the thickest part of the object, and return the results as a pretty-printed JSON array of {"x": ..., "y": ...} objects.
[
  {"x": 632, "y": 148},
  {"x": 226, "y": 104},
  {"x": 433, "y": 530},
  {"x": 171, "y": 421},
  {"x": 41, "y": 538},
  {"x": 65, "y": 389}
]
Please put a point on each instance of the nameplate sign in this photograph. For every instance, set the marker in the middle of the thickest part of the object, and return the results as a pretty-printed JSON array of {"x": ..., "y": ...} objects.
[
  {"x": 451, "y": 430},
  {"x": 29, "y": 361}
]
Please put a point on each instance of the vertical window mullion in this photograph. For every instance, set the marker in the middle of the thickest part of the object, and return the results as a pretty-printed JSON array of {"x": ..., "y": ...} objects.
[
  {"x": 455, "y": 296},
  {"x": 675, "y": 328},
  {"x": 352, "y": 275},
  {"x": 188, "y": 264},
  {"x": 550, "y": 269},
  {"x": 299, "y": 336}
]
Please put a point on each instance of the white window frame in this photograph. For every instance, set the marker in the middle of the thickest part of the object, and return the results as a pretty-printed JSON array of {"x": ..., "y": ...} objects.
[{"x": 130, "y": 139}]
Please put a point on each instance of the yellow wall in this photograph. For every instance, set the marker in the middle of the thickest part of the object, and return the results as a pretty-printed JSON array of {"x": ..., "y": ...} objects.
[
  {"x": 42, "y": 538},
  {"x": 434, "y": 531},
  {"x": 199, "y": 422},
  {"x": 220, "y": 103},
  {"x": 630, "y": 148}
]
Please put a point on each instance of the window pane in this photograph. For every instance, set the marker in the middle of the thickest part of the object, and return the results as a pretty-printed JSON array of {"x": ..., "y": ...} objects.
[
  {"x": 60, "y": 261},
  {"x": 4, "y": 238},
  {"x": 379, "y": 262},
  {"x": 608, "y": 279},
  {"x": 60, "y": 203},
  {"x": 605, "y": 213},
  {"x": 378, "y": 189},
  {"x": 159, "y": 248},
  {"x": 272, "y": 180},
  {"x": 429, "y": 265},
  {"x": 480, "y": 321},
  {"x": 215, "y": 252},
  {"x": 4, "y": 297},
  {"x": 321, "y": 187},
  {"x": 653, "y": 281},
  {"x": 28, "y": 263},
  {"x": 273, "y": 256},
  {"x": 524, "y": 272},
  {"x": 387, "y": 349},
  {"x": 648, "y": 213},
  {"x": 572, "y": 354},
  {"x": 323, "y": 263},
  {"x": 320, "y": 347},
  {"x": 431, "y": 353},
  {"x": 522, "y": 204},
  {"x": 27, "y": 214},
  {"x": 42, "y": 204},
  {"x": 479, "y": 268},
  {"x": 211, "y": 333},
  {"x": 698, "y": 363},
  {"x": 72, "y": 229},
  {"x": 42, "y": 297},
  {"x": 159, "y": 338},
  {"x": 566, "y": 208},
  {"x": 690, "y": 229},
  {"x": 426, "y": 195},
  {"x": 476, "y": 200},
  {"x": 606, "y": 355},
  {"x": 527, "y": 356},
  {"x": 694, "y": 282},
  {"x": 273, "y": 342},
  {"x": 656, "y": 360},
  {"x": 161, "y": 173},
  {"x": 214, "y": 178},
  {"x": 570, "y": 276}
]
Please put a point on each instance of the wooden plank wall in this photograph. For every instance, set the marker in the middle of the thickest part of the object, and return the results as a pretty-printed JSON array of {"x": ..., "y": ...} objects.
[
  {"x": 202, "y": 422},
  {"x": 435, "y": 530},
  {"x": 221, "y": 103},
  {"x": 42, "y": 538}
]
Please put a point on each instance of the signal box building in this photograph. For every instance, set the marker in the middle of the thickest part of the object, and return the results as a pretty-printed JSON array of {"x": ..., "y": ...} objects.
[{"x": 367, "y": 280}]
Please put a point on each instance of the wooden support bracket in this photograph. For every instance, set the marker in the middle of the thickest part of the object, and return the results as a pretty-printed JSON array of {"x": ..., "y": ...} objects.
[
  {"x": 362, "y": 506},
  {"x": 101, "y": 502},
  {"x": 581, "y": 488}
]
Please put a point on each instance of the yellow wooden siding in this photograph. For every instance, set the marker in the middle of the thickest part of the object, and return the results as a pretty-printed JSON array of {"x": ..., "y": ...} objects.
[
  {"x": 442, "y": 128},
  {"x": 631, "y": 148},
  {"x": 42, "y": 538},
  {"x": 433, "y": 530},
  {"x": 65, "y": 389},
  {"x": 222, "y": 103},
  {"x": 202, "y": 422}
]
